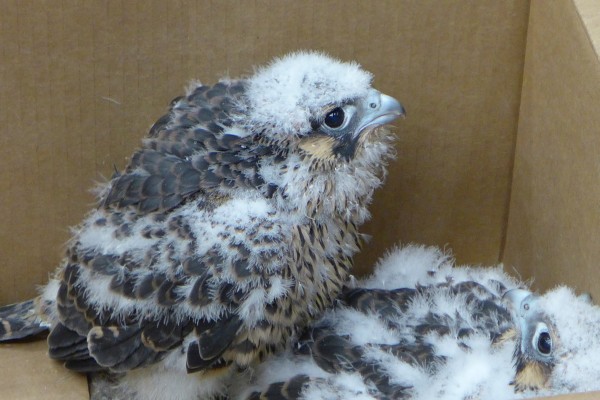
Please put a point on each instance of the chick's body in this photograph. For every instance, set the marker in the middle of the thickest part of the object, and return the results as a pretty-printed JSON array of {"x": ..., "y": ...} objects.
[
  {"x": 232, "y": 227},
  {"x": 422, "y": 328}
]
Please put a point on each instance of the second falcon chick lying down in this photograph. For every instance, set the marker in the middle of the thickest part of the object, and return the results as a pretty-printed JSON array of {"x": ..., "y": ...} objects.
[
  {"x": 232, "y": 227},
  {"x": 421, "y": 328}
]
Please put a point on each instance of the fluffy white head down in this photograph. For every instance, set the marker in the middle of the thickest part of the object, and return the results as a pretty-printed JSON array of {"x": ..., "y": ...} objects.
[
  {"x": 412, "y": 265},
  {"x": 283, "y": 95},
  {"x": 167, "y": 379},
  {"x": 478, "y": 370}
]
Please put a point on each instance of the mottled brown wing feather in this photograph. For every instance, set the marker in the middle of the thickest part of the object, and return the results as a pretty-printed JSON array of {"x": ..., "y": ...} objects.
[
  {"x": 20, "y": 321},
  {"x": 74, "y": 312},
  {"x": 121, "y": 348},
  {"x": 85, "y": 334},
  {"x": 173, "y": 163},
  {"x": 335, "y": 353},
  {"x": 87, "y": 340},
  {"x": 214, "y": 338},
  {"x": 66, "y": 344},
  {"x": 288, "y": 390},
  {"x": 384, "y": 303}
]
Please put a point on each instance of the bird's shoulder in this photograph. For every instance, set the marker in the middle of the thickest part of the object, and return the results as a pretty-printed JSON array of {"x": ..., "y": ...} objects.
[{"x": 196, "y": 149}]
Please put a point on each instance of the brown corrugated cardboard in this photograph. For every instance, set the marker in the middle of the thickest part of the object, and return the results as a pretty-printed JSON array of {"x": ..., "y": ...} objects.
[
  {"x": 81, "y": 82},
  {"x": 26, "y": 372},
  {"x": 573, "y": 396},
  {"x": 458, "y": 69}
]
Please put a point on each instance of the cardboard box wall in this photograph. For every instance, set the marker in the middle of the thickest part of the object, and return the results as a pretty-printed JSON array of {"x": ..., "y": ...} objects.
[{"x": 496, "y": 160}]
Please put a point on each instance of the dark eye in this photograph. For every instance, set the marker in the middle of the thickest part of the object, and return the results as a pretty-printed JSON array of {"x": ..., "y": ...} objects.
[
  {"x": 335, "y": 118},
  {"x": 544, "y": 343}
]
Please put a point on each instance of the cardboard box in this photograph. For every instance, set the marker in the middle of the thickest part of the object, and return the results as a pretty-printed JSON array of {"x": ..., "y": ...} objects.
[{"x": 498, "y": 158}]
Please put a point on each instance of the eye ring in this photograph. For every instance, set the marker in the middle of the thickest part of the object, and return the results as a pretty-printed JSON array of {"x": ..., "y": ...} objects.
[{"x": 335, "y": 118}]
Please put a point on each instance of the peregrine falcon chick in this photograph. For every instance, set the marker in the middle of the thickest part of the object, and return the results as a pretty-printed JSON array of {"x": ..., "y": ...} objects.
[
  {"x": 557, "y": 341},
  {"x": 421, "y": 328},
  {"x": 232, "y": 227}
]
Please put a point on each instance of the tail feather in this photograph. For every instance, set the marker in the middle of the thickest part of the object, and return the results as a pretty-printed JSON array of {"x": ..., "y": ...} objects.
[{"x": 21, "y": 321}]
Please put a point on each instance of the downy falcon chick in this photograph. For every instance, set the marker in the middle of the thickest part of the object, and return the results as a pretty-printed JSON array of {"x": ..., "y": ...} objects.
[
  {"x": 421, "y": 328},
  {"x": 233, "y": 226}
]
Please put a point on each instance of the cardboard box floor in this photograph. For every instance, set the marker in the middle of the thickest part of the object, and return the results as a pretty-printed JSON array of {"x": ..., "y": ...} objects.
[{"x": 496, "y": 160}]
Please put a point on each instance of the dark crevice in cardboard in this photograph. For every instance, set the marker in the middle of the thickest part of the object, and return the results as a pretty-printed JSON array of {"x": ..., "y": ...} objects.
[{"x": 514, "y": 147}]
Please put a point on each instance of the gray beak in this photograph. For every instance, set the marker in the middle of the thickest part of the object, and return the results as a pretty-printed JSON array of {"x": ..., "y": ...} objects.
[{"x": 380, "y": 109}]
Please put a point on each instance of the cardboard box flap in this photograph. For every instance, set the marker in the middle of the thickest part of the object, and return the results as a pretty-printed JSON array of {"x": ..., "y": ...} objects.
[{"x": 554, "y": 223}]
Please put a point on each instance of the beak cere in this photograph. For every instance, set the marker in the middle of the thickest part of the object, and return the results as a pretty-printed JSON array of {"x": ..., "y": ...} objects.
[{"x": 514, "y": 298}]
